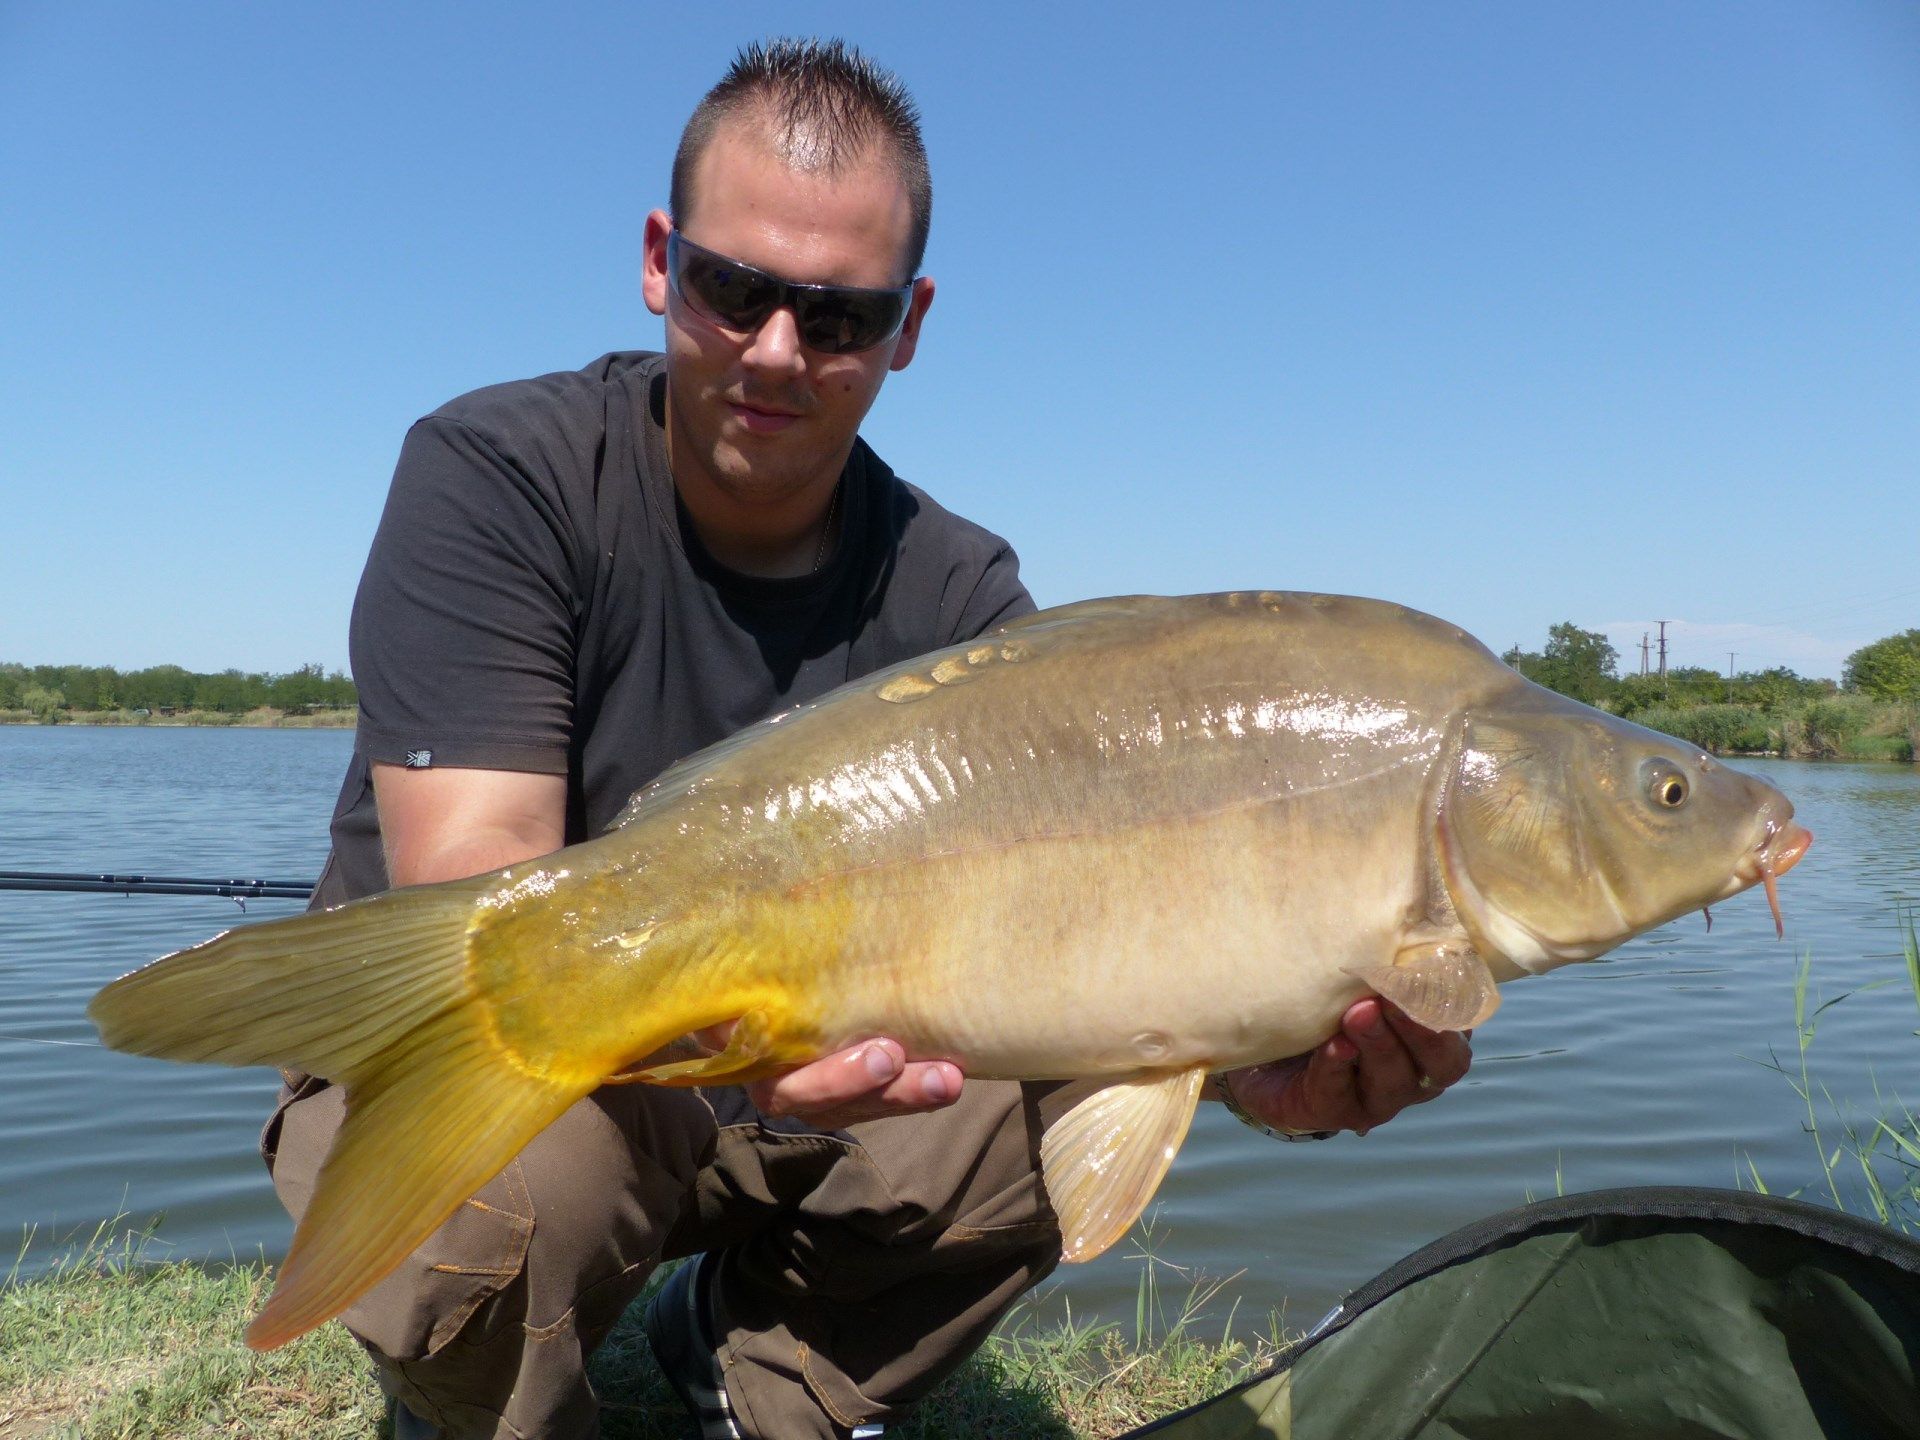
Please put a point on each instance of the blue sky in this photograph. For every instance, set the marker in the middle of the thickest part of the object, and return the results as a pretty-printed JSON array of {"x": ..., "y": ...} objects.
[{"x": 1517, "y": 313}]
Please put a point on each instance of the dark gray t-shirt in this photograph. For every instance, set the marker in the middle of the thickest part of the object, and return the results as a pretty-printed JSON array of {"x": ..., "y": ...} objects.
[{"x": 536, "y": 600}]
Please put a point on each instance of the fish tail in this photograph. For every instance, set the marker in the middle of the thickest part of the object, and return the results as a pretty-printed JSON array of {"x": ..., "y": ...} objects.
[
  {"x": 320, "y": 992},
  {"x": 376, "y": 996}
]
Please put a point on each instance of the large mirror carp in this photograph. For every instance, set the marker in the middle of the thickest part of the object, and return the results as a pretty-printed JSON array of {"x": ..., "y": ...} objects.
[{"x": 1126, "y": 843}]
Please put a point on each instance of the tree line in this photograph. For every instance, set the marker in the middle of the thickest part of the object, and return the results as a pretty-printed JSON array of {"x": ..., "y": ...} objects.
[
  {"x": 1584, "y": 665},
  {"x": 47, "y": 691},
  {"x": 1579, "y": 663},
  {"x": 1873, "y": 711}
]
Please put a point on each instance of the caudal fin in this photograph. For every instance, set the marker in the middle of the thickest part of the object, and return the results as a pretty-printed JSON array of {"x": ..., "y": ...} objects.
[{"x": 376, "y": 997}]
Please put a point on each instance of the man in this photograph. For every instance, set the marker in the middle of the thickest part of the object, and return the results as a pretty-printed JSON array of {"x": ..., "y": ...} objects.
[{"x": 579, "y": 579}]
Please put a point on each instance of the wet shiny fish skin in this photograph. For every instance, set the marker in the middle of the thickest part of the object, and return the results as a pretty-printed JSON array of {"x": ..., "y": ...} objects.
[
  {"x": 1128, "y": 842},
  {"x": 1153, "y": 831}
]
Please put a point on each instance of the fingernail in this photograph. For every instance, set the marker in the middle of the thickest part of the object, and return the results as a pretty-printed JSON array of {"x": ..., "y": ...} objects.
[
  {"x": 935, "y": 1085},
  {"x": 881, "y": 1063}
]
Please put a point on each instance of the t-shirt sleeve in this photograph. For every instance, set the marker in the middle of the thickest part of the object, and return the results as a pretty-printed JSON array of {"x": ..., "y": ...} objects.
[
  {"x": 463, "y": 629},
  {"x": 997, "y": 597}
]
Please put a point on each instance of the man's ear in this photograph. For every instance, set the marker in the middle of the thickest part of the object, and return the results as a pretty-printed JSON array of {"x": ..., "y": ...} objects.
[
  {"x": 653, "y": 261},
  {"x": 909, "y": 340}
]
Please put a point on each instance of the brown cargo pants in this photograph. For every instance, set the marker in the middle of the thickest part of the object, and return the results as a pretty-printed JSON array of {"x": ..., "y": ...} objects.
[{"x": 852, "y": 1270}]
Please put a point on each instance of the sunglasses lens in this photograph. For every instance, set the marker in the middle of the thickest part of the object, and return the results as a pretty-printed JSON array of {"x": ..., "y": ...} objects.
[
  {"x": 833, "y": 319},
  {"x": 727, "y": 294},
  {"x": 841, "y": 322}
]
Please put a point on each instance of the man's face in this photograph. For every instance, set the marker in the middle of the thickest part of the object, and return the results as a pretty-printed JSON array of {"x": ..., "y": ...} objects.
[{"x": 760, "y": 418}]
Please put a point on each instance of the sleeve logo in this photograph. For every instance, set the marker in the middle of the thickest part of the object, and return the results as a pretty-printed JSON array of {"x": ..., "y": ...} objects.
[{"x": 419, "y": 759}]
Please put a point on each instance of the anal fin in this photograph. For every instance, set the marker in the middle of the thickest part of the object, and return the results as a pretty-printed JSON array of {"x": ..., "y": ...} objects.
[
  {"x": 752, "y": 1053},
  {"x": 1104, "y": 1158},
  {"x": 1444, "y": 987}
]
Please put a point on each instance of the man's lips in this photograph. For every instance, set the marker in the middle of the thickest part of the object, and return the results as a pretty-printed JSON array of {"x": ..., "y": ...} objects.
[{"x": 761, "y": 419}]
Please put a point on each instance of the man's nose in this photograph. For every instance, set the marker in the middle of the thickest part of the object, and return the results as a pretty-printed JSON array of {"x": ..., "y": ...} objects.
[{"x": 776, "y": 345}]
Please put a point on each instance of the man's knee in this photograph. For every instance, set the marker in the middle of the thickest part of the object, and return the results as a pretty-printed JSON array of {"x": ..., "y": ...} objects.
[
  {"x": 570, "y": 1226},
  {"x": 968, "y": 1170}
]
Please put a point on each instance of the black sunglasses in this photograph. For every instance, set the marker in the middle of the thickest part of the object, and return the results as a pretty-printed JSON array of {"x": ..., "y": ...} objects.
[{"x": 836, "y": 319}]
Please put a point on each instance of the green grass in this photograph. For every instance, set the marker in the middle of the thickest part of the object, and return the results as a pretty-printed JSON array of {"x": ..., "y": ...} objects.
[
  {"x": 1868, "y": 1163},
  {"x": 108, "y": 1345},
  {"x": 105, "y": 1344}
]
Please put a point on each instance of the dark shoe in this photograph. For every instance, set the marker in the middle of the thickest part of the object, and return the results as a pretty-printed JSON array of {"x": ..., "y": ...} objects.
[
  {"x": 677, "y": 1331},
  {"x": 680, "y": 1334},
  {"x": 409, "y": 1426}
]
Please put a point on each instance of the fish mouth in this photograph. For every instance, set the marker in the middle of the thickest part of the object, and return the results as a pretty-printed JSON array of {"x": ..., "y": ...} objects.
[{"x": 1780, "y": 849}]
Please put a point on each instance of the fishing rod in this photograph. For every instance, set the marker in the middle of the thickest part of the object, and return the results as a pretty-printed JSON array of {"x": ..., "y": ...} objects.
[{"x": 89, "y": 883}]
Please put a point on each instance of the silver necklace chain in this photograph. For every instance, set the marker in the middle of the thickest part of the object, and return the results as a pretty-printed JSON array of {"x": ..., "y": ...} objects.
[{"x": 820, "y": 551}]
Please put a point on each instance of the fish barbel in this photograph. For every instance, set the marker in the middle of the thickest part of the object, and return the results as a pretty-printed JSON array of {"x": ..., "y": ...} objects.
[{"x": 1125, "y": 843}]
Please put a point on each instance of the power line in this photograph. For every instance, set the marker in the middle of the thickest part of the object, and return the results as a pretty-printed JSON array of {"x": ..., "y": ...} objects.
[{"x": 1828, "y": 607}]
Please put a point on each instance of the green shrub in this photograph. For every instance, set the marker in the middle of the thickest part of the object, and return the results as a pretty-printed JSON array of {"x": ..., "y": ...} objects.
[
  {"x": 1723, "y": 729},
  {"x": 1831, "y": 725},
  {"x": 45, "y": 705}
]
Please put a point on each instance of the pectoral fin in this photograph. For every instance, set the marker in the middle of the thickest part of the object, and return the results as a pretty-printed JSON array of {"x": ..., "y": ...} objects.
[
  {"x": 1443, "y": 987},
  {"x": 1103, "y": 1160}
]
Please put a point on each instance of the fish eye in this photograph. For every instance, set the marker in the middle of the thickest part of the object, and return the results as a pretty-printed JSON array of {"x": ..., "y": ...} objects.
[{"x": 1667, "y": 786}]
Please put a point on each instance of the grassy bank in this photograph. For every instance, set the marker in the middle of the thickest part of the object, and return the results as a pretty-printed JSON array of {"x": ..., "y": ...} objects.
[
  {"x": 1836, "y": 727},
  {"x": 108, "y": 1346},
  {"x": 264, "y": 717}
]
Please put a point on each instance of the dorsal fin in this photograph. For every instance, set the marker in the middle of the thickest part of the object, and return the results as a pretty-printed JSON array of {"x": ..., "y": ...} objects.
[{"x": 1111, "y": 607}]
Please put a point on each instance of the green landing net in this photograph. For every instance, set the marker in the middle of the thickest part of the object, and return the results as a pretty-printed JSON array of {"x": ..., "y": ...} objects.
[{"x": 1643, "y": 1314}]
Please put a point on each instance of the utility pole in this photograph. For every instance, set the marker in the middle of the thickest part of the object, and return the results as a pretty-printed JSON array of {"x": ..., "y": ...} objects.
[
  {"x": 1730, "y": 655},
  {"x": 1663, "y": 648},
  {"x": 1644, "y": 647}
]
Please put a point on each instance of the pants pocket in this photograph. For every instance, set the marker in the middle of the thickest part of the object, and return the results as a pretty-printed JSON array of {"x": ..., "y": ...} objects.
[{"x": 478, "y": 1254}]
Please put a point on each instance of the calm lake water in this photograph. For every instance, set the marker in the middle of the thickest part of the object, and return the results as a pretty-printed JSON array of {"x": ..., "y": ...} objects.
[{"x": 1644, "y": 1068}]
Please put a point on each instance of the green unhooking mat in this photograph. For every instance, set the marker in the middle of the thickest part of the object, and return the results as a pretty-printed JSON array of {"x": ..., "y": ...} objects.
[{"x": 1645, "y": 1314}]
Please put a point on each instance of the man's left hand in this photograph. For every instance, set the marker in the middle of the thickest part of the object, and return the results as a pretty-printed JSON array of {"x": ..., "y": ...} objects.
[{"x": 1380, "y": 1063}]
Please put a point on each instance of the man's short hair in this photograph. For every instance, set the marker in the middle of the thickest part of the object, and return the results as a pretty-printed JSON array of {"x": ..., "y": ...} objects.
[{"x": 824, "y": 107}]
